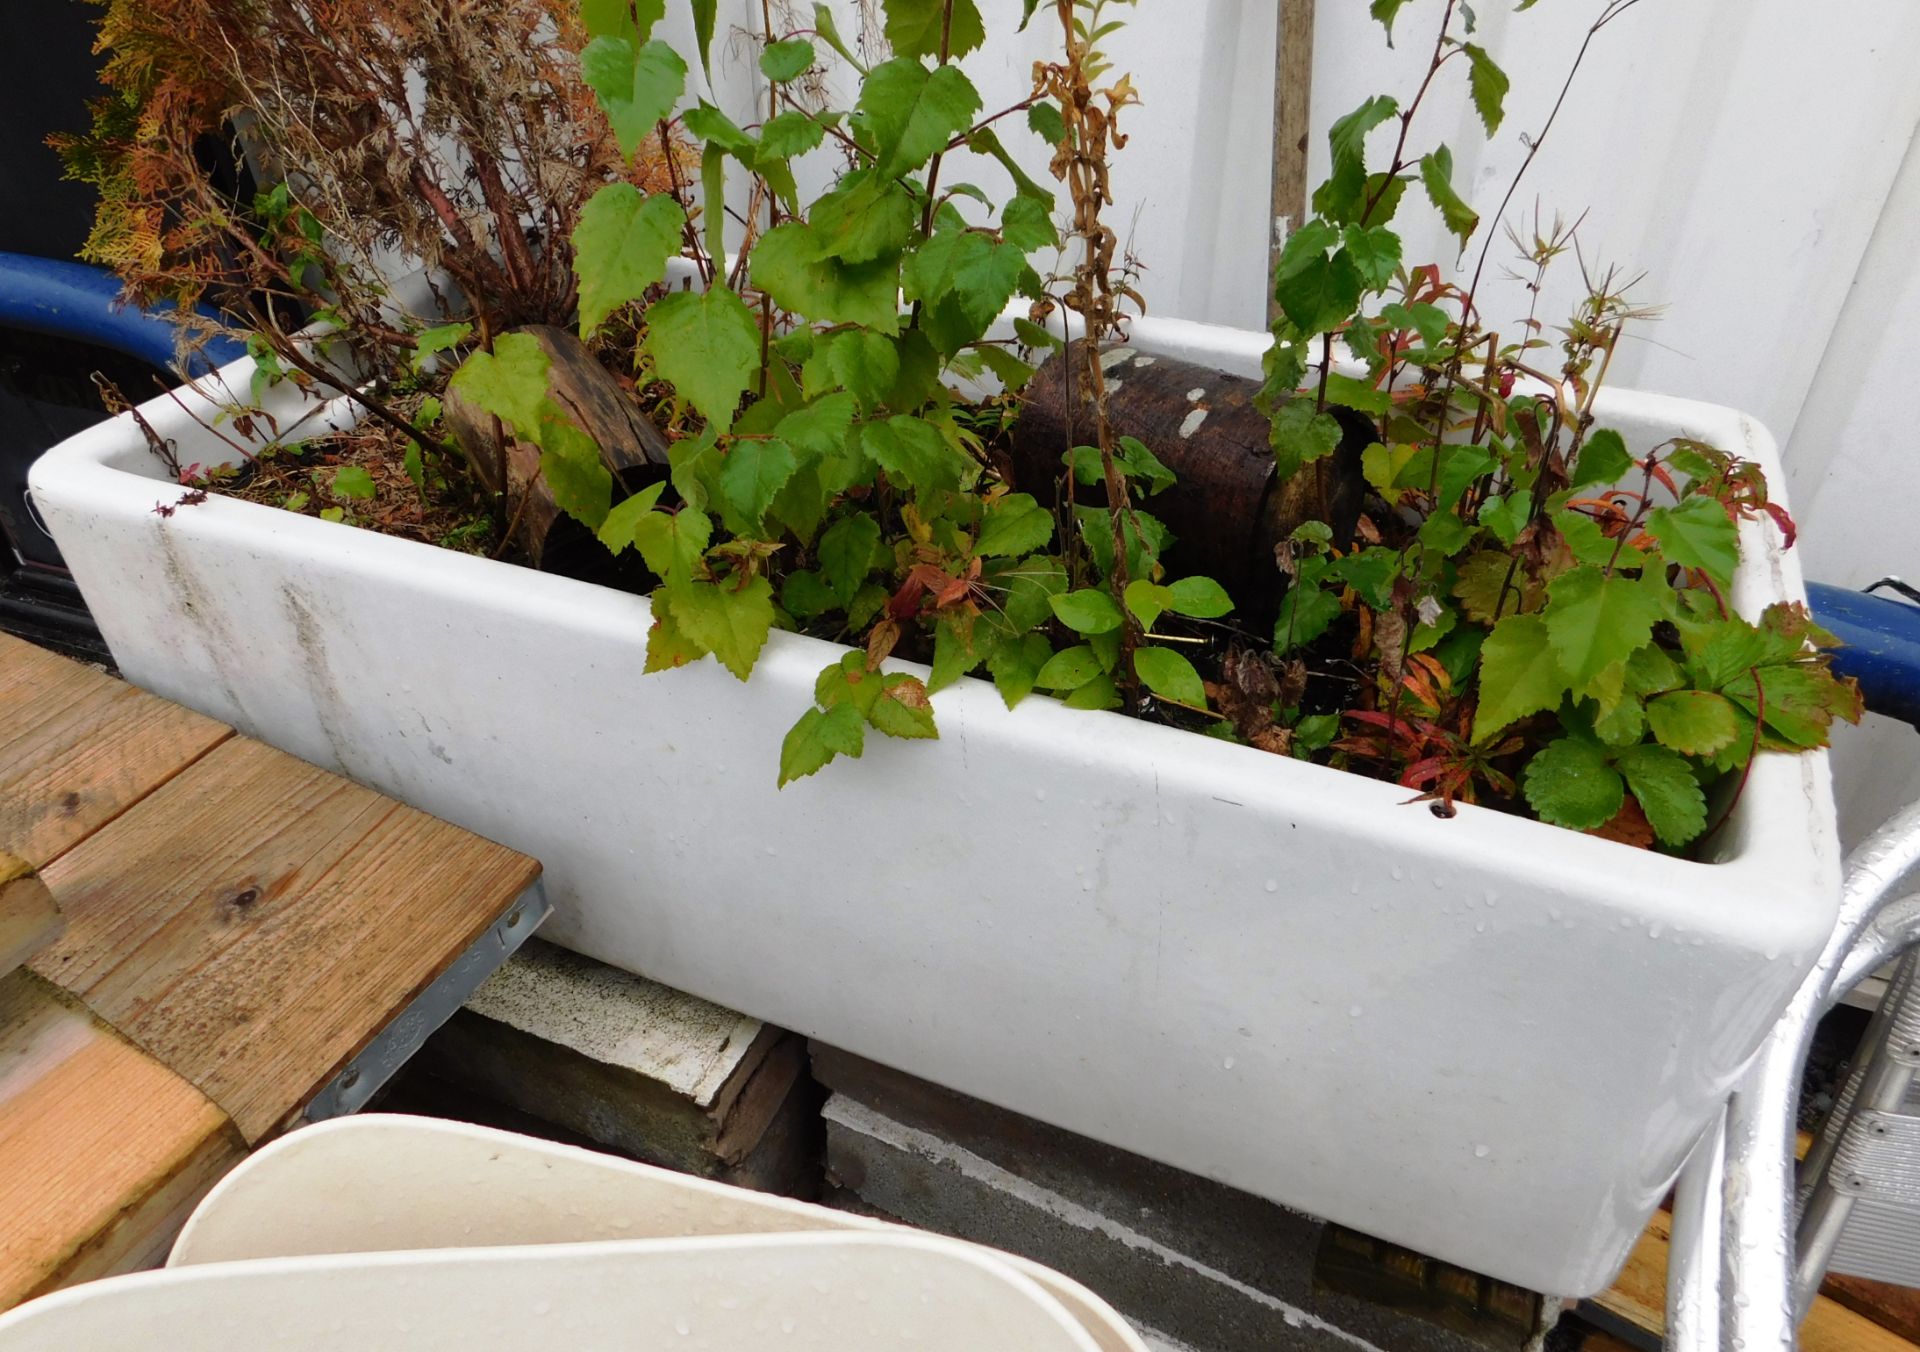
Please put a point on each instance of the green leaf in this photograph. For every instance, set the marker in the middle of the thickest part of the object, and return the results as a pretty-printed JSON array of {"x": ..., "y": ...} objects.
[
  {"x": 1305, "y": 614},
  {"x": 579, "y": 481},
  {"x": 509, "y": 382},
  {"x": 1170, "y": 676},
  {"x": 621, "y": 248},
  {"x": 866, "y": 364},
  {"x": 1507, "y": 516},
  {"x": 1385, "y": 11},
  {"x": 1200, "y": 597},
  {"x": 706, "y": 344},
  {"x": 615, "y": 18},
  {"x": 352, "y": 481},
  {"x": 1519, "y": 674},
  {"x": 1069, "y": 669},
  {"x": 1026, "y": 225},
  {"x": 1322, "y": 294},
  {"x": 912, "y": 113},
  {"x": 954, "y": 654},
  {"x": 617, "y": 531},
  {"x": 817, "y": 738},
  {"x": 1146, "y": 538},
  {"x": 1015, "y": 664},
  {"x": 755, "y": 471},
  {"x": 704, "y": 14},
  {"x": 865, "y": 218},
  {"x": 1099, "y": 693},
  {"x": 636, "y": 90},
  {"x": 713, "y": 194},
  {"x": 729, "y": 621},
  {"x": 1697, "y": 534},
  {"x": 1014, "y": 525},
  {"x": 1603, "y": 459},
  {"x": 915, "y": 27},
  {"x": 1088, "y": 611},
  {"x": 804, "y": 596},
  {"x": 789, "y": 60},
  {"x": 1594, "y": 620},
  {"x": 792, "y": 133},
  {"x": 913, "y": 452},
  {"x": 1489, "y": 85},
  {"x": 1664, "y": 785},
  {"x": 1375, "y": 251},
  {"x": 1360, "y": 395},
  {"x": 846, "y": 554},
  {"x": 822, "y": 427},
  {"x": 903, "y": 709},
  {"x": 440, "y": 338},
  {"x": 848, "y": 682},
  {"x": 1436, "y": 175},
  {"x": 1346, "y": 192},
  {"x": 1621, "y": 724},
  {"x": 1047, "y": 123},
  {"x": 1030, "y": 587},
  {"x": 673, "y": 544},
  {"x": 1148, "y": 601},
  {"x": 1300, "y": 435},
  {"x": 1569, "y": 783},
  {"x": 788, "y": 266},
  {"x": 1347, "y": 137},
  {"x": 1013, "y": 373},
  {"x": 1693, "y": 722},
  {"x": 1590, "y": 544}
]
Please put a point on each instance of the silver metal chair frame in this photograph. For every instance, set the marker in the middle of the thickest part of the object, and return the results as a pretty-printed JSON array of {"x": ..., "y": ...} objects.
[{"x": 1733, "y": 1282}]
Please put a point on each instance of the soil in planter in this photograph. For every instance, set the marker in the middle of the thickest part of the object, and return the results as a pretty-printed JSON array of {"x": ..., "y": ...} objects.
[{"x": 362, "y": 477}]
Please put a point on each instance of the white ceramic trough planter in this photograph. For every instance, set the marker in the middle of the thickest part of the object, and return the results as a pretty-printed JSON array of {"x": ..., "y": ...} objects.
[{"x": 1486, "y": 1038}]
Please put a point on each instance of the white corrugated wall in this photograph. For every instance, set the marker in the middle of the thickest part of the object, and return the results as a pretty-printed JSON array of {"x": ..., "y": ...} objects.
[{"x": 1753, "y": 158}]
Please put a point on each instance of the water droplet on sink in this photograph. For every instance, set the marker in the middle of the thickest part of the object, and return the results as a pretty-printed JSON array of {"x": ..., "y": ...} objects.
[
  {"x": 1480, "y": 1152},
  {"x": 1040, "y": 795},
  {"x": 1354, "y": 1011},
  {"x": 1226, "y": 1063},
  {"x": 1398, "y": 873},
  {"x": 1273, "y": 885}
]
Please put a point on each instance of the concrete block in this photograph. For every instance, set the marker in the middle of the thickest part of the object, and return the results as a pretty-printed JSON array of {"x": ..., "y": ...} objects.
[
  {"x": 627, "y": 1065},
  {"x": 1204, "y": 1267}
]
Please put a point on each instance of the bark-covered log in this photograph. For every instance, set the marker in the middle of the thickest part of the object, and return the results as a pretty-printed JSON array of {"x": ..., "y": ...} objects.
[
  {"x": 1227, "y": 510},
  {"x": 631, "y": 447}
]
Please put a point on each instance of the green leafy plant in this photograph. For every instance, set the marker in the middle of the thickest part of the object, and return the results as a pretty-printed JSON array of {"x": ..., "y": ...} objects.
[
  {"x": 1539, "y": 606},
  {"x": 1528, "y": 612}
]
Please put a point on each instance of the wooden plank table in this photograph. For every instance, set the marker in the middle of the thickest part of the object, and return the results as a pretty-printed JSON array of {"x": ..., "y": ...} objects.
[{"x": 243, "y": 936}]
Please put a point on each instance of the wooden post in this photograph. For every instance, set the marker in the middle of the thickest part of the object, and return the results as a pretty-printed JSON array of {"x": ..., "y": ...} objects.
[{"x": 1292, "y": 87}]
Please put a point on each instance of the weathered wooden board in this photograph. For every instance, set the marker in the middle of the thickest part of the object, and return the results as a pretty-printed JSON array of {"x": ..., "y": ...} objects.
[
  {"x": 29, "y": 918},
  {"x": 77, "y": 748},
  {"x": 106, "y": 1150},
  {"x": 255, "y": 921}
]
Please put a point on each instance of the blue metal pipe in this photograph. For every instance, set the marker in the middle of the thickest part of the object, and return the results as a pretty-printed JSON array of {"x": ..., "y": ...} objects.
[
  {"x": 1882, "y": 651},
  {"x": 74, "y": 300}
]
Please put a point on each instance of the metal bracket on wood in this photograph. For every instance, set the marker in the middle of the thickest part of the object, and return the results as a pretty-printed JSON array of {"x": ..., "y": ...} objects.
[{"x": 378, "y": 1061}]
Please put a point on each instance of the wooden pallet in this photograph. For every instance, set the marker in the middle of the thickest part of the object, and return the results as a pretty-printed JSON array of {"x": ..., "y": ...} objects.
[{"x": 239, "y": 925}]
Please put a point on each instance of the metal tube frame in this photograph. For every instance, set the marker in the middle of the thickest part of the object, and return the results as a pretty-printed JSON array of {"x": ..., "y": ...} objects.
[{"x": 1734, "y": 1203}]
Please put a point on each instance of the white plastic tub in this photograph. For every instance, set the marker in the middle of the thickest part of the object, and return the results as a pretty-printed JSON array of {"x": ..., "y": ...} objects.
[{"x": 1486, "y": 1038}]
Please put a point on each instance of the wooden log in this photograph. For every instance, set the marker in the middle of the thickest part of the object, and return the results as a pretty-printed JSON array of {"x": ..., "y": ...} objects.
[
  {"x": 29, "y": 919},
  {"x": 632, "y": 448},
  {"x": 1228, "y": 509}
]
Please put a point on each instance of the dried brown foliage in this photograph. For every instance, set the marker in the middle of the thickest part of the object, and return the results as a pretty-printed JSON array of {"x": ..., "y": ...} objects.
[{"x": 456, "y": 134}]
